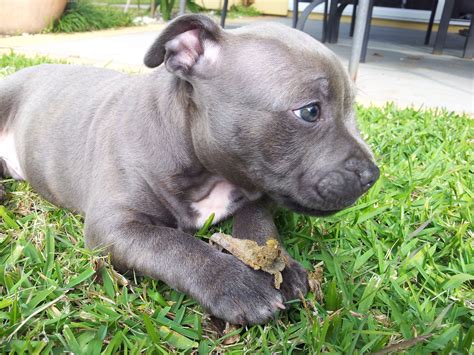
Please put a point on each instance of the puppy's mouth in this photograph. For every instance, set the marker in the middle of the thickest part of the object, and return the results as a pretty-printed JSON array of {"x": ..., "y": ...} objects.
[{"x": 298, "y": 207}]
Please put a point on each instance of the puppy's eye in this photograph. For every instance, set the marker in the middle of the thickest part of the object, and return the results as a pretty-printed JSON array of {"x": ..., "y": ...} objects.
[{"x": 309, "y": 113}]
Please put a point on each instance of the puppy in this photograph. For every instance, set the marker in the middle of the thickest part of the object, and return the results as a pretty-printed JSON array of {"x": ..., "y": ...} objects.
[{"x": 230, "y": 123}]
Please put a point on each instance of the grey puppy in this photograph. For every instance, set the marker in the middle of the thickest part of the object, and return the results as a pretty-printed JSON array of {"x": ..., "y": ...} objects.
[{"x": 232, "y": 123}]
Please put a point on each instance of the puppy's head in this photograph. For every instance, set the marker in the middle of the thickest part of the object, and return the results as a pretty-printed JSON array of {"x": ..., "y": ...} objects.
[{"x": 272, "y": 111}]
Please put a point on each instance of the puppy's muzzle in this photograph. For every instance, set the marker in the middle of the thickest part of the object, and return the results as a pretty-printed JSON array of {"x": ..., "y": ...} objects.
[{"x": 341, "y": 187}]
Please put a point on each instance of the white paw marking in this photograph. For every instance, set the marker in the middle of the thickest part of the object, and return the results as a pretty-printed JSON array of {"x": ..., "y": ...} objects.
[
  {"x": 216, "y": 202},
  {"x": 9, "y": 155}
]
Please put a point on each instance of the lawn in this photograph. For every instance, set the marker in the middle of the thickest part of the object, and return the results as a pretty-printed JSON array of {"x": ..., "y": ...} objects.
[{"x": 398, "y": 266}]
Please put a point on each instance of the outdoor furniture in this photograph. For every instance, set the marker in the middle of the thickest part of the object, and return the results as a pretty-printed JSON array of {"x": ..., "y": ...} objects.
[
  {"x": 338, "y": 6},
  {"x": 449, "y": 5},
  {"x": 296, "y": 23},
  {"x": 299, "y": 23},
  {"x": 359, "y": 28},
  {"x": 335, "y": 13},
  {"x": 224, "y": 12},
  {"x": 360, "y": 34}
]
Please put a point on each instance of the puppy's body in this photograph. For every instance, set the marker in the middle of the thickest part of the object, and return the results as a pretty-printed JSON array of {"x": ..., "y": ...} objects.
[
  {"x": 69, "y": 106},
  {"x": 214, "y": 130}
]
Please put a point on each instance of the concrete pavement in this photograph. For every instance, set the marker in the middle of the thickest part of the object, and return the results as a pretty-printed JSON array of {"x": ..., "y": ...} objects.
[{"x": 399, "y": 68}]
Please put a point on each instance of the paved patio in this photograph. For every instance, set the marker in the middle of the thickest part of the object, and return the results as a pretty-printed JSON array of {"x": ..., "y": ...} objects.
[{"x": 399, "y": 67}]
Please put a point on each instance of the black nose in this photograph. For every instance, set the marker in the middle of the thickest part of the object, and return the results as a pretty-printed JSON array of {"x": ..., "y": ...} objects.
[
  {"x": 366, "y": 171},
  {"x": 369, "y": 176}
]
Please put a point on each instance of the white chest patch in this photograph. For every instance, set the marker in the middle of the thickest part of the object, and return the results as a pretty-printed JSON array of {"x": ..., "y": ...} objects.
[
  {"x": 217, "y": 202},
  {"x": 9, "y": 155}
]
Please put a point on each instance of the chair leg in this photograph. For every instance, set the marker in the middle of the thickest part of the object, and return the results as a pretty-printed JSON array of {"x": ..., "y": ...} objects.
[
  {"x": 325, "y": 21},
  {"x": 434, "y": 7},
  {"x": 443, "y": 27},
  {"x": 305, "y": 14},
  {"x": 332, "y": 15},
  {"x": 294, "y": 19},
  {"x": 353, "y": 20},
  {"x": 363, "y": 55},
  {"x": 337, "y": 20},
  {"x": 469, "y": 44},
  {"x": 224, "y": 12}
]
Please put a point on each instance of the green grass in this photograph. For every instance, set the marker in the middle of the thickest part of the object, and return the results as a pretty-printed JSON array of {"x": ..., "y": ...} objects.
[
  {"x": 83, "y": 15},
  {"x": 12, "y": 62},
  {"x": 398, "y": 266}
]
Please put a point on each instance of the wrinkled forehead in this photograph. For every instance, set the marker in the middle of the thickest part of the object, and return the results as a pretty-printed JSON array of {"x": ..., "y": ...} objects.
[{"x": 283, "y": 67}]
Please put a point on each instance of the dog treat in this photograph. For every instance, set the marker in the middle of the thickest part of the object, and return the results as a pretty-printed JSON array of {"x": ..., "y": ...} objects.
[{"x": 266, "y": 257}]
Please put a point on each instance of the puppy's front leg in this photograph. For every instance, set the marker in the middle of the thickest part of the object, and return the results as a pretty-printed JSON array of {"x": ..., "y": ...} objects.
[
  {"x": 221, "y": 283},
  {"x": 255, "y": 221}
]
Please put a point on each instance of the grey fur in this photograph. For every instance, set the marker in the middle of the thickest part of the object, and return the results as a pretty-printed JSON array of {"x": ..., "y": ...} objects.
[{"x": 132, "y": 153}]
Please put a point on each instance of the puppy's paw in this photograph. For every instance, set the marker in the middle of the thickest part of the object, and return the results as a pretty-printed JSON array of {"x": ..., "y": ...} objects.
[
  {"x": 241, "y": 295},
  {"x": 295, "y": 281}
]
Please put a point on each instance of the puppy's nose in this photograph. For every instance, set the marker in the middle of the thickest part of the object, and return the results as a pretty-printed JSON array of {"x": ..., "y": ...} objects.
[
  {"x": 366, "y": 171},
  {"x": 369, "y": 176}
]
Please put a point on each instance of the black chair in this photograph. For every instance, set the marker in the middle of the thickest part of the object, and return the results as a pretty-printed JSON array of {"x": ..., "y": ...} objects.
[
  {"x": 465, "y": 6},
  {"x": 450, "y": 7},
  {"x": 297, "y": 23},
  {"x": 224, "y": 12},
  {"x": 300, "y": 22},
  {"x": 335, "y": 13}
]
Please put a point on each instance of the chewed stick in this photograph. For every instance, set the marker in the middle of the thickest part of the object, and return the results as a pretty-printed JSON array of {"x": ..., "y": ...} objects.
[{"x": 266, "y": 257}]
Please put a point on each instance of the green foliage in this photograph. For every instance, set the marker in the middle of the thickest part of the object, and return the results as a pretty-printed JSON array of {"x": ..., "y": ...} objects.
[
  {"x": 193, "y": 7},
  {"x": 83, "y": 15},
  {"x": 166, "y": 7},
  {"x": 239, "y": 10},
  {"x": 236, "y": 11},
  {"x": 123, "y": 2},
  {"x": 190, "y": 5},
  {"x": 398, "y": 265}
]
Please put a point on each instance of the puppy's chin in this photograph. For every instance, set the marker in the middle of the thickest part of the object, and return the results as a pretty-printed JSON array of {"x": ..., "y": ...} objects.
[{"x": 297, "y": 207}]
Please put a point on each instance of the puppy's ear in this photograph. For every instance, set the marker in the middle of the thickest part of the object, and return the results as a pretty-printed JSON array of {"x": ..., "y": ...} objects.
[{"x": 187, "y": 42}]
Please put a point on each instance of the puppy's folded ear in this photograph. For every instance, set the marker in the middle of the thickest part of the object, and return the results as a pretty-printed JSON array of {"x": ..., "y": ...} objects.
[{"x": 188, "y": 43}]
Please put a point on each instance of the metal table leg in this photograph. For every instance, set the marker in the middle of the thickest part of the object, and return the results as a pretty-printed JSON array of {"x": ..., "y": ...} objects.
[
  {"x": 182, "y": 7},
  {"x": 443, "y": 27},
  {"x": 359, "y": 35}
]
